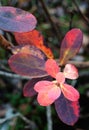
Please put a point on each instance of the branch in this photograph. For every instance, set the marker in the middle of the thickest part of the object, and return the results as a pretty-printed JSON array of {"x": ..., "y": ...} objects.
[
  {"x": 11, "y": 75},
  {"x": 83, "y": 16},
  {"x": 50, "y": 19},
  {"x": 83, "y": 64},
  {"x": 79, "y": 64}
]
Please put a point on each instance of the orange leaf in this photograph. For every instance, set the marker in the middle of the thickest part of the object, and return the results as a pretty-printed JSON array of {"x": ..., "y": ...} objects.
[{"x": 33, "y": 38}]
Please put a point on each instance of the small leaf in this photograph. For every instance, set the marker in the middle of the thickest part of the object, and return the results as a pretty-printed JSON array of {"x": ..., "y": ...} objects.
[
  {"x": 67, "y": 111},
  {"x": 28, "y": 89},
  {"x": 60, "y": 77},
  {"x": 70, "y": 92},
  {"x": 52, "y": 67},
  {"x": 46, "y": 98},
  {"x": 27, "y": 65},
  {"x": 43, "y": 86},
  {"x": 48, "y": 92},
  {"x": 35, "y": 38},
  {"x": 70, "y": 71},
  {"x": 16, "y": 20},
  {"x": 70, "y": 45},
  {"x": 29, "y": 49}
]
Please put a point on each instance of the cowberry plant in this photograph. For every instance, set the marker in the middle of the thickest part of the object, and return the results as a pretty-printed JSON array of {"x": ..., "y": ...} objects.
[{"x": 33, "y": 59}]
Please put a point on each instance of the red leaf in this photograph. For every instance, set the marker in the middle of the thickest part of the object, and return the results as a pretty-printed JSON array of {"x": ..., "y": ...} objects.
[
  {"x": 70, "y": 45},
  {"x": 29, "y": 49},
  {"x": 67, "y": 111},
  {"x": 16, "y": 20},
  {"x": 33, "y": 38},
  {"x": 28, "y": 90},
  {"x": 27, "y": 65}
]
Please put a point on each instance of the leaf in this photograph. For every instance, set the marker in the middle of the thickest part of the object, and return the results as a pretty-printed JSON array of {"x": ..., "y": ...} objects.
[
  {"x": 16, "y": 20},
  {"x": 70, "y": 71},
  {"x": 60, "y": 78},
  {"x": 28, "y": 89},
  {"x": 52, "y": 67},
  {"x": 70, "y": 92},
  {"x": 68, "y": 111},
  {"x": 35, "y": 38},
  {"x": 29, "y": 49},
  {"x": 46, "y": 98},
  {"x": 27, "y": 65},
  {"x": 70, "y": 45}
]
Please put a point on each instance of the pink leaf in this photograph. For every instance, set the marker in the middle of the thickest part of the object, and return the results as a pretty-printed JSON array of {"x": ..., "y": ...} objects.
[
  {"x": 60, "y": 77},
  {"x": 43, "y": 86},
  {"x": 70, "y": 71},
  {"x": 69, "y": 92},
  {"x": 28, "y": 89},
  {"x": 48, "y": 97},
  {"x": 51, "y": 67},
  {"x": 67, "y": 111},
  {"x": 16, "y": 20}
]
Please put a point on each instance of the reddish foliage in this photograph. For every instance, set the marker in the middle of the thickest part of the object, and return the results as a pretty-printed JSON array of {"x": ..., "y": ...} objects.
[
  {"x": 16, "y": 20},
  {"x": 70, "y": 45},
  {"x": 28, "y": 49},
  {"x": 33, "y": 38},
  {"x": 28, "y": 60},
  {"x": 28, "y": 90},
  {"x": 48, "y": 91}
]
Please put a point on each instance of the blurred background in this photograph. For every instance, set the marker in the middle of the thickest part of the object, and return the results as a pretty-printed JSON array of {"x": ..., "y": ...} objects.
[{"x": 55, "y": 18}]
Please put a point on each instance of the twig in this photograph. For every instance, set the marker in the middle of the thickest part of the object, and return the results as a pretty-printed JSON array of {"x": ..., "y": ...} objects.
[
  {"x": 83, "y": 16},
  {"x": 11, "y": 75},
  {"x": 49, "y": 118},
  {"x": 79, "y": 64},
  {"x": 50, "y": 20},
  {"x": 31, "y": 123}
]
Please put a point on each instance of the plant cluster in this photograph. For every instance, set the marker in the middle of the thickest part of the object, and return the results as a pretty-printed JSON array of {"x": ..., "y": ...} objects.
[{"x": 33, "y": 59}]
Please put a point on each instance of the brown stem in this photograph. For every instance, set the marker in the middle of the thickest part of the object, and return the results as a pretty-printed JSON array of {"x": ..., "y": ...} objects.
[
  {"x": 50, "y": 20},
  {"x": 5, "y": 44}
]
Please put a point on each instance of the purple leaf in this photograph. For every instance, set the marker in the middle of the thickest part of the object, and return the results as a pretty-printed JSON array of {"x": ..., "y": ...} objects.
[
  {"x": 28, "y": 89},
  {"x": 16, "y": 20},
  {"x": 70, "y": 45},
  {"x": 67, "y": 111},
  {"x": 27, "y": 65},
  {"x": 29, "y": 49}
]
